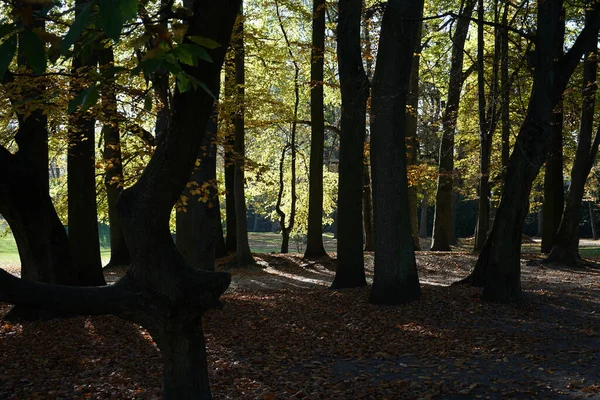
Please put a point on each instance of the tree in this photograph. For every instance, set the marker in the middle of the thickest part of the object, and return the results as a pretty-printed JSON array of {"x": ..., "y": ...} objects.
[
  {"x": 160, "y": 291},
  {"x": 81, "y": 175},
  {"x": 350, "y": 270},
  {"x": 314, "y": 236},
  {"x": 395, "y": 280},
  {"x": 498, "y": 266},
  {"x": 443, "y": 200},
  {"x": 566, "y": 245}
]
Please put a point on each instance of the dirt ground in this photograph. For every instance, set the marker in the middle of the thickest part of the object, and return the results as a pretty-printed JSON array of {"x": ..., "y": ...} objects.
[{"x": 282, "y": 334}]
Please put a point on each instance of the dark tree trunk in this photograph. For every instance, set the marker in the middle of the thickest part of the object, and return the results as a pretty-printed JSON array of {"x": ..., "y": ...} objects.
[
  {"x": 423, "y": 220},
  {"x": 566, "y": 246},
  {"x": 81, "y": 180},
  {"x": 243, "y": 255},
  {"x": 498, "y": 267},
  {"x": 220, "y": 248},
  {"x": 314, "y": 237},
  {"x": 412, "y": 142},
  {"x": 113, "y": 178},
  {"x": 554, "y": 196},
  {"x": 505, "y": 88},
  {"x": 197, "y": 221},
  {"x": 350, "y": 270},
  {"x": 395, "y": 279},
  {"x": 443, "y": 198},
  {"x": 160, "y": 291},
  {"x": 229, "y": 161},
  {"x": 367, "y": 203},
  {"x": 592, "y": 220}
]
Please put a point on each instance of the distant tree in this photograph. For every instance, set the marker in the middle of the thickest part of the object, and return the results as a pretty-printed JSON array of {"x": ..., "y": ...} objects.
[{"x": 395, "y": 280}]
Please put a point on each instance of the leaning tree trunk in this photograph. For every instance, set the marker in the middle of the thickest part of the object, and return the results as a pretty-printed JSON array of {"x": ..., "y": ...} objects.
[
  {"x": 350, "y": 270},
  {"x": 113, "y": 179},
  {"x": 81, "y": 182},
  {"x": 243, "y": 256},
  {"x": 314, "y": 235},
  {"x": 566, "y": 247},
  {"x": 395, "y": 279},
  {"x": 443, "y": 198},
  {"x": 554, "y": 196},
  {"x": 196, "y": 222},
  {"x": 498, "y": 266},
  {"x": 160, "y": 291}
]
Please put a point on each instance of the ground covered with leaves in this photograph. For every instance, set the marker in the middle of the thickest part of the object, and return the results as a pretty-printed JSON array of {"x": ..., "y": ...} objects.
[{"x": 283, "y": 335}]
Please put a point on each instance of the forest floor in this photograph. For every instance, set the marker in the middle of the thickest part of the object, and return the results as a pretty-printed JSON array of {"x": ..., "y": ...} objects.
[{"x": 282, "y": 334}]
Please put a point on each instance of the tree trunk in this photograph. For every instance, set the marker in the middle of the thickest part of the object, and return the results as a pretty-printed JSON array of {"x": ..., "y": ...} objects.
[
  {"x": 412, "y": 142},
  {"x": 498, "y": 266},
  {"x": 367, "y": 203},
  {"x": 113, "y": 178},
  {"x": 243, "y": 255},
  {"x": 443, "y": 198},
  {"x": 314, "y": 237},
  {"x": 423, "y": 221},
  {"x": 196, "y": 222},
  {"x": 395, "y": 279},
  {"x": 229, "y": 165},
  {"x": 220, "y": 249},
  {"x": 592, "y": 221},
  {"x": 505, "y": 89},
  {"x": 554, "y": 197},
  {"x": 81, "y": 181},
  {"x": 350, "y": 270},
  {"x": 566, "y": 248}
]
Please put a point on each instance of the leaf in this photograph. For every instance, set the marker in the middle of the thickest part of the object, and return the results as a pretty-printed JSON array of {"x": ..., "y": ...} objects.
[
  {"x": 111, "y": 18},
  {"x": 76, "y": 28},
  {"x": 197, "y": 51},
  {"x": 128, "y": 8},
  {"x": 206, "y": 89},
  {"x": 6, "y": 29},
  {"x": 148, "y": 101},
  {"x": 75, "y": 102},
  {"x": 205, "y": 42},
  {"x": 7, "y": 52},
  {"x": 35, "y": 51},
  {"x": 91, "y": 97}
]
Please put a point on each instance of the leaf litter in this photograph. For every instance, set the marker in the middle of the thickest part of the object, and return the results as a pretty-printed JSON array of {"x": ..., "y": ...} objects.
[{"x": 282, "y": 334}]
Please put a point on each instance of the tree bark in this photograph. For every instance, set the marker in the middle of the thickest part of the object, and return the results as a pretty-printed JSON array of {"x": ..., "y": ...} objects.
[
  {"x": 423, "y": 220},
  {"x": 566, "y": 246},
  {"x": 554, "y": 197},
  {"x": 395, "y": 279},
  {"x": 229, "y": 164},
  {"x": 443, "y": 198},
  {"x": 367, "y": 203},
  {"x": 350, "y": 270},
  {"x": 498, "y": 265},
  {"x": 314, "y": 236},
  {"x": 592, "y": 221},
  {"x": 113, "y": 178}
]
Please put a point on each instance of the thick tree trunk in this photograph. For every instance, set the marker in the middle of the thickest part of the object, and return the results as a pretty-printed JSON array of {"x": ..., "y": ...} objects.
[
  {"x": 395, "y": 279},
  {"x": 350, "y": 270},
  {"x": 566, "y": 246},
  {"x": 197, "y": 221},
  {"x": 498, "y": 267},
  {"x": 243, "y": 255},
  {"x": 505, "y": 89},
  {"x": 113, "y": 179},
  {"x": 443, "y": 198},
  {"x": 367, "y": 203},
  {"x": 314, "y": 237},
  {"x": 554, "y": 196}
]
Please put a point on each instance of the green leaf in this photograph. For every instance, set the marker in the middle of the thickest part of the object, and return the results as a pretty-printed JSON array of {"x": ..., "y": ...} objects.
[
  {"x": 148, "y": 101},
  {"x": 111, "y": 18},
  {"x": 184, "y": 56},
  {"x": 76, "y": 28},
  {"x": 128, "y": 9},
  {"x": 6, "y": 28},
  {"x": 91, "y": 97},
  {"x": 183, "y": 82},
  {"x": 206, "y": 89},
  {"x": 197, "y": 51},
  {"x": 205, "y": 42},
  {"x": 77, "y": 100},
  {"x": 35, "y": 51},
  {"x": 7, "y": 52}
]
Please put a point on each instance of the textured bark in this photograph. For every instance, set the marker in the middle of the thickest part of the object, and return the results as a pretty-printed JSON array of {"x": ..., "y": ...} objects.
[
  {"x": 554, "y": 196},
  {"x": 220, "y": 248},
  {"x": 113, "y": 178},
  {"x": 243, "y": 256},
  {"x": 81, "y": 182},
  {"x": 566, "y": 246},
  {"x": 423, "y": 220},
  {"x": 505, "y": 88},
  {"x": 395, "y": 278},
  {"x": 314, "y": 236},
  {"x": 229, "y": 161},
  {"x": 196, "y": 222},
  {"x": 498, "y": 266},
  {"x": 350, "y": 270},
  {"x": 443, "y": 198}
]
